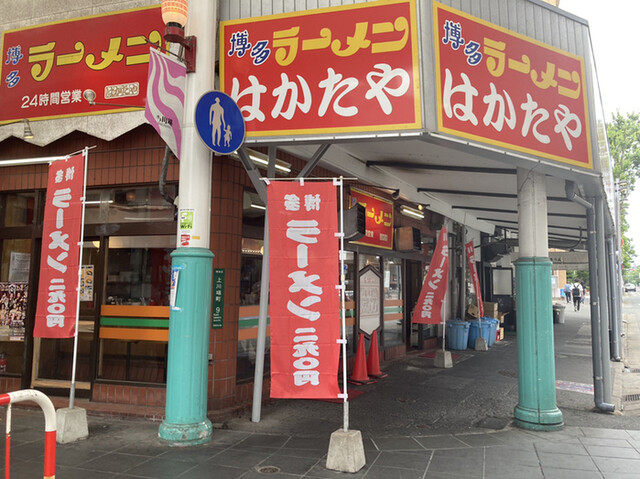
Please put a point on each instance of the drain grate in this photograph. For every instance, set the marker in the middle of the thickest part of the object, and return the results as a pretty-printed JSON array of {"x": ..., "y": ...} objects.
[
  {"x": 635, "y": 370},
  {"x": 268, "y": 470},
  {"x": 632, "y": 397},
  {"x": 507, "y": 373}
]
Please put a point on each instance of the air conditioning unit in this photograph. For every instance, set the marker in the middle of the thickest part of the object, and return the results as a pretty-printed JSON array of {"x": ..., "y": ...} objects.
[
  {"x": 355, "y": 223},
  {"x": 408, "y": 238}
]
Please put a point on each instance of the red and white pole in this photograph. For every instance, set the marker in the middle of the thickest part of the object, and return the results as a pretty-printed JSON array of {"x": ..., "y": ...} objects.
[{"x": 49, "y": 427}]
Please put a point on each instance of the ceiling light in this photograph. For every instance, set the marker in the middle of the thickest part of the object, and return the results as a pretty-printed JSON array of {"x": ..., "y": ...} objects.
[
  {"x": 262, "y": 161},
  {"x": 411, "y": 212},
  {"x": 258, "y": 207},
  {"x": 281, "y": 166}
]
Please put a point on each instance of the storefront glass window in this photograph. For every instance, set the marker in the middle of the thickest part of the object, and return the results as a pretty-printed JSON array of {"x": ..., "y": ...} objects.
[
  {"x": 393, "y": 305},
  {"x": 53, "y": 358},
  {"x": 250, "y": 276},
  {"x": 350, "y": 304},
  {"x": 126, "y": 205},
  {"x": 133, "y": 330},
  {"x": 18, "y": 209},
  {"x": 368, "y": 260},
  {"x": 139, "y": 270}
]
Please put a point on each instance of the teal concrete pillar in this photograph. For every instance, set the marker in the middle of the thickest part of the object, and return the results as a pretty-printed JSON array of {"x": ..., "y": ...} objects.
[
  {"x": 536, "y": 407},
  {"x": 186, "y": 421}
]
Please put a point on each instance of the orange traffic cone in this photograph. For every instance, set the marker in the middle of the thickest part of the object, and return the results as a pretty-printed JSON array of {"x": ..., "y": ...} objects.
[
  {"x": 373, "y": 360},
  {"x": 359, "y": 374}
]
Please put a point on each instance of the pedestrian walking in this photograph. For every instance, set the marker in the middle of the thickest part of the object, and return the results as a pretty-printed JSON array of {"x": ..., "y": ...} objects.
[
  {"x": 576, "y": 293},
  {"x": 567, "y": 292}
]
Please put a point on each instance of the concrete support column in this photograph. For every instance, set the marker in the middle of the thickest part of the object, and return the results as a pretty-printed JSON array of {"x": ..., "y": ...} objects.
[
  {"x": 536, "y": 409},
  {"x": 186, "y": 421}
]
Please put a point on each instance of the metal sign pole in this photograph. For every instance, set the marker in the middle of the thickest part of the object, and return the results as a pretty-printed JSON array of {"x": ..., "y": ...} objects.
[
  {"x": 72, "y": 390},
  {"x": 342, "y": 286}
]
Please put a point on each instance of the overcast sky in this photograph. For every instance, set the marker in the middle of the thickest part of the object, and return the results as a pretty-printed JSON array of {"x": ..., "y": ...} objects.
[{"x": 614, "y": 26}]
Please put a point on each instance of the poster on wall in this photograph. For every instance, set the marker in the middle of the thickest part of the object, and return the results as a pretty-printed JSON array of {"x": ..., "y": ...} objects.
[
  {"x": 305, "y": 312},
  {"x": 13, "y": 310},
  {"x": 86, "y": 282},
  {"x": 58, "y": 287},
  {"x": 19, "y": 267}
]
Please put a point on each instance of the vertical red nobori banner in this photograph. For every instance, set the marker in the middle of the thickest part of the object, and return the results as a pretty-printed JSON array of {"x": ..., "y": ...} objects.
[
  {"x": 474, "y": 274},
  {"x": 303, "y": 259},
  {"x": 60, "y": 258},
  {"x": 429, "y": 307}
]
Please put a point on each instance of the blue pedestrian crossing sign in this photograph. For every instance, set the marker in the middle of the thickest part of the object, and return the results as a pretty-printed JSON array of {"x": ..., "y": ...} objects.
[{"x": 220, "y": 122}]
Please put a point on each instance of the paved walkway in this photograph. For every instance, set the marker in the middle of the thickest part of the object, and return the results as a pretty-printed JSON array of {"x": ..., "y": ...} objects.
[
  {"x": 129, "y": 449},
  {"x": 420, "y": 422}
]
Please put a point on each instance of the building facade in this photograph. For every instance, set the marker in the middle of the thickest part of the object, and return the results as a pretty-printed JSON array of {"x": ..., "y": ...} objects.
[{"x": 426, "y": 173}]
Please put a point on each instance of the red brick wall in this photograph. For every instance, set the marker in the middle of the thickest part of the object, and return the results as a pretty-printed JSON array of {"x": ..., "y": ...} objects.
[
  {"x": 129, "y": 394},
  {"x": 228, "y": 183},
  {"x": 135, "y": 157}
]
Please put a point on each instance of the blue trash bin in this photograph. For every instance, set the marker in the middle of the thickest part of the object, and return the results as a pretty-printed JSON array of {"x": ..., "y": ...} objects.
[
  {"x": 493, "y": 329},
  {"x": 457, "y": 334},
  {"x": 475, "y": 332}
]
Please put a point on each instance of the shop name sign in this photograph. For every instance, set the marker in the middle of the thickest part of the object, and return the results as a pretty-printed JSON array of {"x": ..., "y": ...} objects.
[
  {"x": 498, "y": 87},
  {"x": 337, "y": 70},
  {"x": 45, "y": 69},
  {"x": 378, "y": 219}
]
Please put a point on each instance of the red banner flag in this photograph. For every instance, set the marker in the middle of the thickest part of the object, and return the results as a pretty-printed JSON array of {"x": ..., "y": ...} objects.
[
  {"x": 303, "y": 258},
  {"x": 429, "y": 307},
  {"x": 60, "y": 259},
  {"x": 474, "y": 274}
]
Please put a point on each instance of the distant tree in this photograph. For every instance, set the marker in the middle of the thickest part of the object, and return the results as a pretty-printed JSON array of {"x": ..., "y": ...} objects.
[
  {"x": 624, "y": 146},
  {"x": 623, "y": 133}
]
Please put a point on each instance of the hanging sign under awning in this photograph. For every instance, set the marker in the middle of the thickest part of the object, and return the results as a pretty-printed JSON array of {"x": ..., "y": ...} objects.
[
  {"x": 499, "y": 87},
  {"x": 378, "y": 219}
]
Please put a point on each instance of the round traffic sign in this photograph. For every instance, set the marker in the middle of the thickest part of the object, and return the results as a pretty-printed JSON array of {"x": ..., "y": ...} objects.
[{"x": 220, "y": 122}]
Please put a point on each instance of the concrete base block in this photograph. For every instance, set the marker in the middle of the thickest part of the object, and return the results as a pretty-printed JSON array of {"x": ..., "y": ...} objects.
[
  {"x": 346, "y": 451},
  {"x": 71, "y": 425},
  {"x": 481, "y": 344},
  {"x": 443, "y": 359}
]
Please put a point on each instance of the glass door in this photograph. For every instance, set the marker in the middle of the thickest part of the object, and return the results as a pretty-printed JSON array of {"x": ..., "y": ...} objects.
[{"x": 53, "y": 358}]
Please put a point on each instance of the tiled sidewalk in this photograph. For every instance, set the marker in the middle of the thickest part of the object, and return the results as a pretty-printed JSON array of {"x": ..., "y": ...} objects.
[{"x": 129, "y": 449}]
